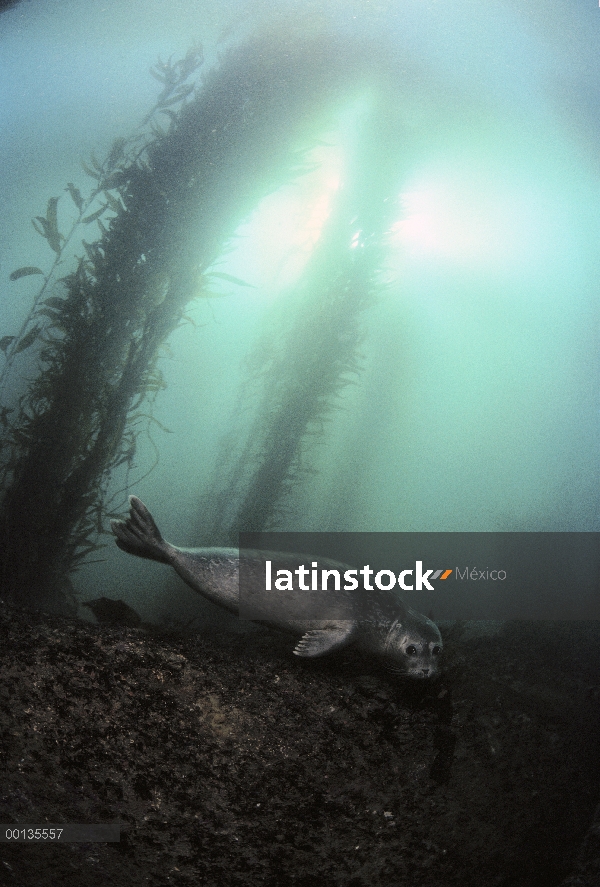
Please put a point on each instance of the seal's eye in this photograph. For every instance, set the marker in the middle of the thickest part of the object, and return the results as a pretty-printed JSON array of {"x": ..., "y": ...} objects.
[
  {"x": 436, "y": 650},
  {"x": 411, "y": 650}
]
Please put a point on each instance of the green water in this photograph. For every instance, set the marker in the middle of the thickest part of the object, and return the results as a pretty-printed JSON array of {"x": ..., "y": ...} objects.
[{"x": 473, "y": 395}]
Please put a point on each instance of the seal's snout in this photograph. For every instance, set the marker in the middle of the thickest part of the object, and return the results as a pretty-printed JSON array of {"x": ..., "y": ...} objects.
[{"x": 413, "y": 648}]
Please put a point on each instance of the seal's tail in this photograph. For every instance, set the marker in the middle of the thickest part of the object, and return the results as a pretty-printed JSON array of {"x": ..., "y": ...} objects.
[{"x": 139, "y": 534}]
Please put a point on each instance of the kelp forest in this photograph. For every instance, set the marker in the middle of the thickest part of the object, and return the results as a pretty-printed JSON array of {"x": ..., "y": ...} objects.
[{"x": 163, "y": 206}]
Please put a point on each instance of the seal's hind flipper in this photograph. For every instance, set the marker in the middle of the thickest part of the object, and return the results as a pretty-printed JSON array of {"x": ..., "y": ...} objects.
[
  {"x": 139, "y": 534},
  {"x": 323, "y": 640}
]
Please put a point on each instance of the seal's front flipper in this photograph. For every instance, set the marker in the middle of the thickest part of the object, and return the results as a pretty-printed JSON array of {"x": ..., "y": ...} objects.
[
  {"x": 139, "y": 534},
  {"x": 324, "y": 640}
]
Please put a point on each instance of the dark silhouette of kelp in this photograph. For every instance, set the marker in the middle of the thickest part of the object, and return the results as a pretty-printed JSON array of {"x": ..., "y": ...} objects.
[
  {"x": 299, "y": 375},
  {"x": 166, "y": 203}
]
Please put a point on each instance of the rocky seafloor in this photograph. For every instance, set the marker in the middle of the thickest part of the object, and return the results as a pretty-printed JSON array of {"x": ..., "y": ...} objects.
[{"x": 228, "y": 761}]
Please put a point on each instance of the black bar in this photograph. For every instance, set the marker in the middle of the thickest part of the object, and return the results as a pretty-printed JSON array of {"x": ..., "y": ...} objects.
[
  {"x": 62, "y": 832},
  {"x": 467, "y": 576}
]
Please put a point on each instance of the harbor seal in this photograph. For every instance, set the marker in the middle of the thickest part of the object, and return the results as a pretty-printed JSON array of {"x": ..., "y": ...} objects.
[{"x": 378, "y": 622}]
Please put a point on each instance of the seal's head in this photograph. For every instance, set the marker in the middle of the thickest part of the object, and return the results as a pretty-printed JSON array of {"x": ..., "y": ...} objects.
[{"x": 413, "y": 647}]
